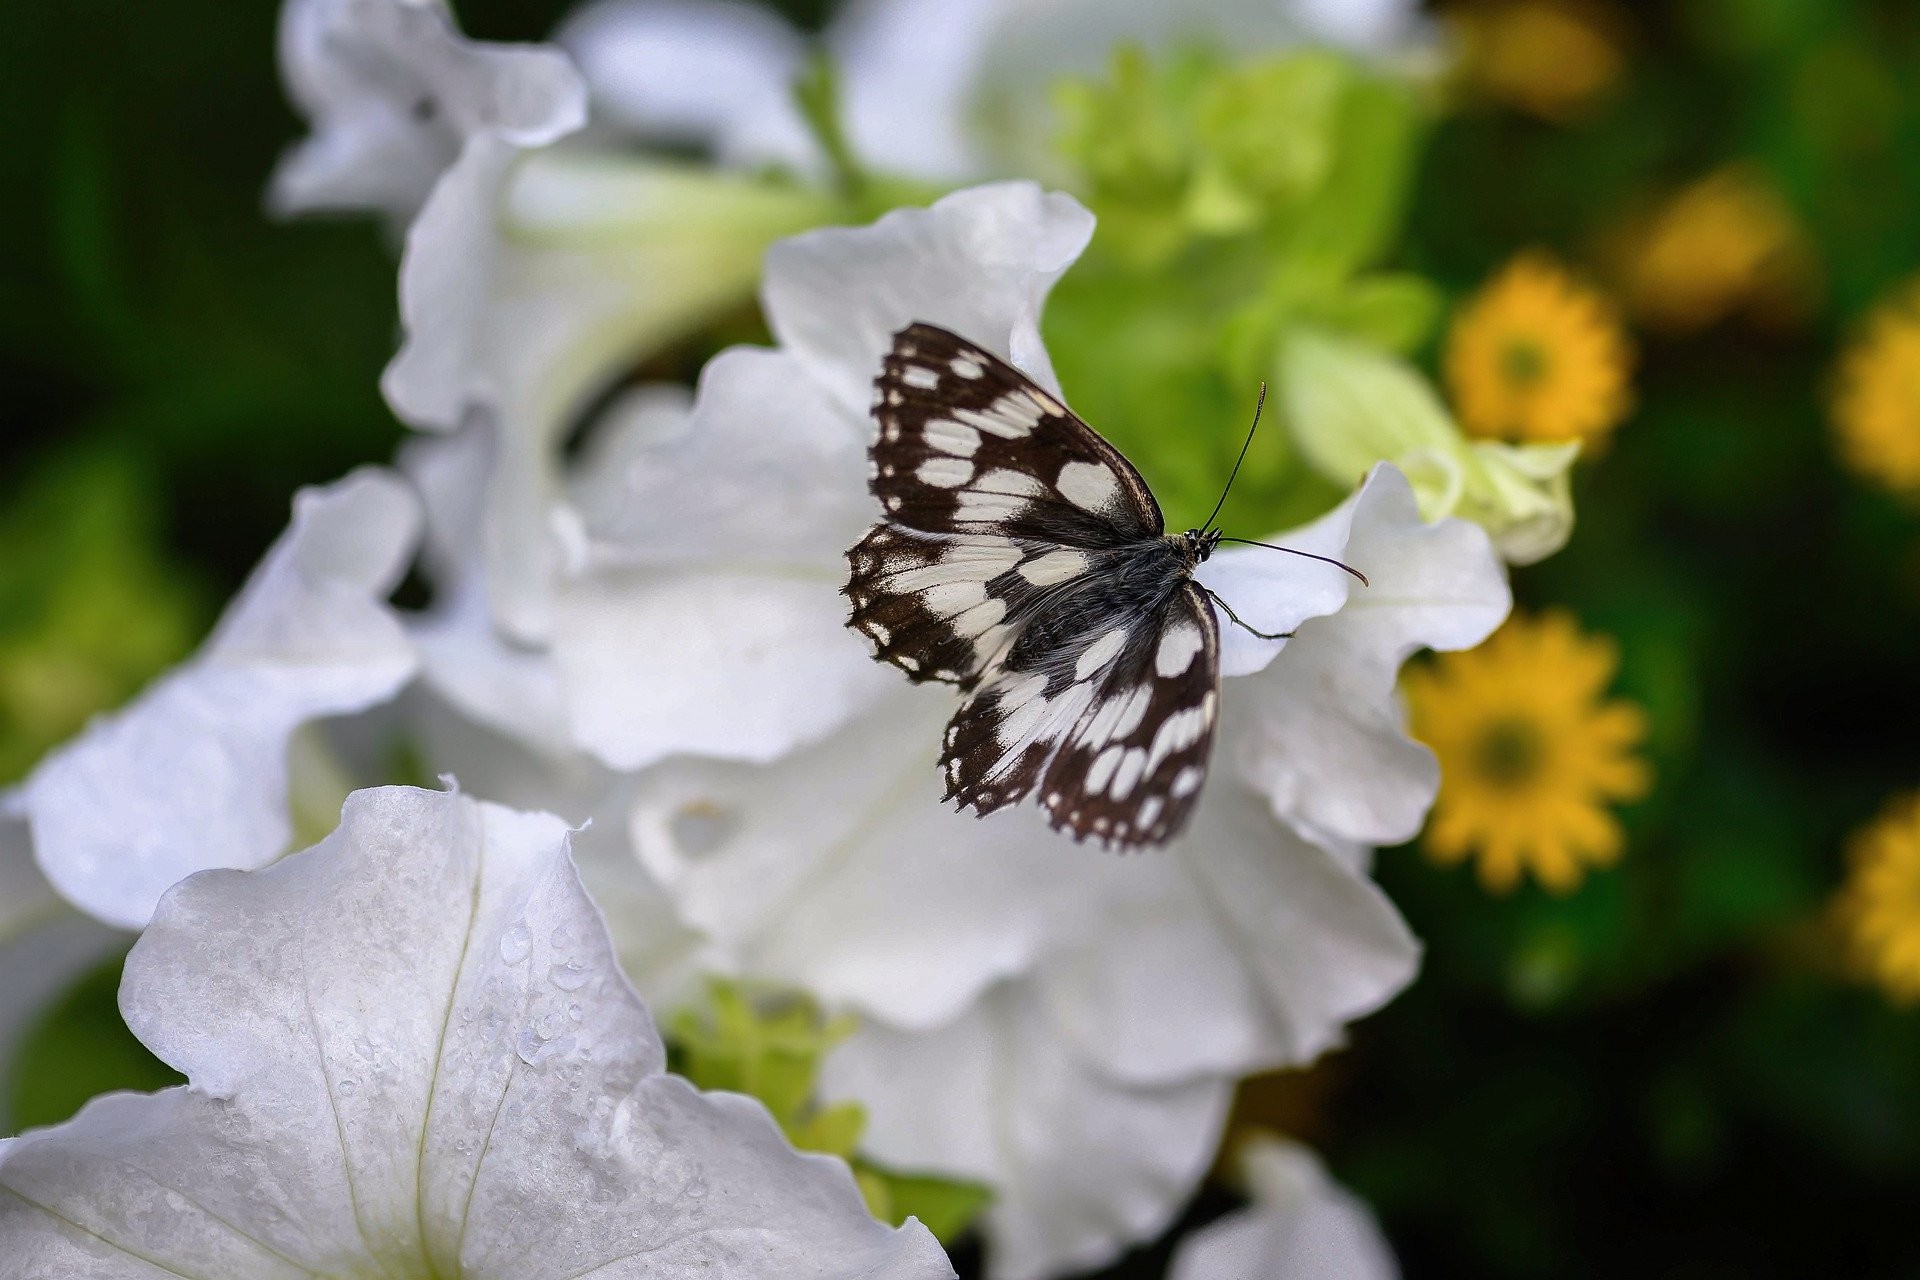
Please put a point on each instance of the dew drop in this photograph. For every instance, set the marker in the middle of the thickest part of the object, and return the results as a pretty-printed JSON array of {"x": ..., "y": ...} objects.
[
  {"x": 570, "y": 976},
  {"x": 516, "y": 944}
]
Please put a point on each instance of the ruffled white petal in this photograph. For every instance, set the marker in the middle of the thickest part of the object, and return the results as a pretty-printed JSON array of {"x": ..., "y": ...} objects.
[
  {"x": 718, "y": 73},
  {"x": 1081, "y": 1165},
  {"x": 410, "y": 1050},
  {"x": 393, "y": 91},
  {"x": 529, "y": 281},
  {"x": 1301, "y": 1226},
  {"x": 193, "y": 773},
  {"x": 979, "y": 262},
  {"x": 1244, "y": 949},
  {"x": 838, "y": 870},
  {"x": 1327, "y": 741}
]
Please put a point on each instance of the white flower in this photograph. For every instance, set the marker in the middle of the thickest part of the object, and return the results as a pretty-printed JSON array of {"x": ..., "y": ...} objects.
[
  {"x": 394, "y": 92},
  {"x": 531, "y": 280},
  {"x": 193, "y": 773},
  {"x": 916, "y": 76},
  {"x": 45, "y": 945},
  {"x": 1141, "y": 987},
  {"x": 410, "y": 1053},
  {"x": 1301, "y": 1226}
]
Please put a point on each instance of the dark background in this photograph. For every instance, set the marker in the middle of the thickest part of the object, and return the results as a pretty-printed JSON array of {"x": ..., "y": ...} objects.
[{"x": 1667, "y": 1072}]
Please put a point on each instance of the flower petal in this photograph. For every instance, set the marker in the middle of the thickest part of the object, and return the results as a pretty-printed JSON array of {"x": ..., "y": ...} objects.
[
  {"x": 192, "y": 774},
  {"x": 839, "y": 871},
  {"x": 1301, "y": 1226},
  {"x": 500, "y": 1112},
  {"x": 1084, "y": 1166},
  {"x": 979, "y": 262},
  {"x": 775, "y": 665},
  {"x": 1327, "y": 742},
  {"x": 529, "y": 282},
  {"x": 1246, "y": 948},
  {"x": 393, "y": 92},
  {"x": 713, "y": 72}
]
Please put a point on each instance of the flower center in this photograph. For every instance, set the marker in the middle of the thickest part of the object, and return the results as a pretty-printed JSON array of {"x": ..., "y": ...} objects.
[
  {"x": 1523, "y": 363},
  {"x": 1509, "y": 752}
]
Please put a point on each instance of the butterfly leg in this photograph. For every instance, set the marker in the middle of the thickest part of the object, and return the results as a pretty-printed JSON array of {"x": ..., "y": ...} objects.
[{"x": 1281, "y": 635}]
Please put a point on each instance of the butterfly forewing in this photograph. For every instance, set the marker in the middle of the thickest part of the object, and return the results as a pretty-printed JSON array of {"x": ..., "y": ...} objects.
[
  {"x": 996, "y": 498},
  {"x": 967, "y": 443}
]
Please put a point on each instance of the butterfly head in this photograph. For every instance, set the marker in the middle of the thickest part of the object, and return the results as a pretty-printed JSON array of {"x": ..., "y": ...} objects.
[{"x": 1197, "y": 544}]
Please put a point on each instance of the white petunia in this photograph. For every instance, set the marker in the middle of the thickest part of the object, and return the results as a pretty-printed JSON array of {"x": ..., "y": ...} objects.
[
  {"x": 411, "y": 1053},
  {"x": 918, "y": 78},
  {"x": 393, "y": 93},
  {"x": 193, "y": 773},
  {"x": 1152, "y": 983},
  {"x": 528, "y": 283},
  {"x": 1301, "y": 1226}
]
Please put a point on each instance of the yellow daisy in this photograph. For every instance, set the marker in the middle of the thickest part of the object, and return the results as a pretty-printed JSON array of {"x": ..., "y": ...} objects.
[
  {"x": 1724, "y": 242},
  {"x": 1876, "y": 410},
  {"x": 1556, "y": 60},
  {"x": 1538, "y": 356},
  {"x": 1879, "y": 906},
  {"x": 1532, "y": 752}
]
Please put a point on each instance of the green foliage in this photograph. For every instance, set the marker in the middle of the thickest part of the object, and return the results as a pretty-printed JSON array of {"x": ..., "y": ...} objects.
[
  {"x": 769, "y": 1045},
  {"x": 90, "y": 608},
  {"x": 78, "y": 1047},
  {"x": 1238, "y": 202}
]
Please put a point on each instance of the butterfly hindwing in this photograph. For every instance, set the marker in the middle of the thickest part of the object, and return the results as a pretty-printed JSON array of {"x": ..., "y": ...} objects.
[
  {"x": 1112, "y": 724},
  {"x": 1131, "y": 770},
  {"x": 966, "y": 443}
]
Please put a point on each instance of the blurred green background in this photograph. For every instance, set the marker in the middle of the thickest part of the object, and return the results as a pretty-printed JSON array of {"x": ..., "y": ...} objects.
[{"x": 1667, "y": 1072}]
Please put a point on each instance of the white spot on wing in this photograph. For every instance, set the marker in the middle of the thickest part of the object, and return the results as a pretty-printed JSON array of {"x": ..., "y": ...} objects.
[
  {"x": 951, "y": 437},
  {"x": 919, "y": 376},
  {"x": 1186, "y": 782},
  {"x": 967, "y": 367},
  {"x": 1178, "y": 645},
  {"x": 1102, "y": 769},
  {"x": 1055, "y": 566},
  {"x": 1088, "y": 485},
  {"x": 946, "y": 473},
  {"x": 1127, "y": 776},
  {"x": 1099, "y": 653}
]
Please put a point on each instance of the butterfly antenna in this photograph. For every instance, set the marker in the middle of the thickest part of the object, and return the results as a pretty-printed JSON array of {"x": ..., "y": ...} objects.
[
  {"x": 1338, "y": 564},
  {"x": 1242, "y": 458}
]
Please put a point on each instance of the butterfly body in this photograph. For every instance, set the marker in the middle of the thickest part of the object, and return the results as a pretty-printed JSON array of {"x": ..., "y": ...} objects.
[{"x": 1024, "y": 560}]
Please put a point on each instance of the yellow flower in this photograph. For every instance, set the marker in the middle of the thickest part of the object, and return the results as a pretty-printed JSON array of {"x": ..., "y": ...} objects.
[
  {"x": 1531, "y": 751},
  {"x": 1877, "y": 408},
  {"x": 1552, "y": 59},
  {"x": 1722, "y": 243},
  {"x": 1538, "y": 356},
  {"x": 1879, "y": 906}
]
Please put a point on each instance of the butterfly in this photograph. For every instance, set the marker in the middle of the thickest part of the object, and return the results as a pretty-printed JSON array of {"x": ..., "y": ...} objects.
[{"x": 1022, "y": 558}]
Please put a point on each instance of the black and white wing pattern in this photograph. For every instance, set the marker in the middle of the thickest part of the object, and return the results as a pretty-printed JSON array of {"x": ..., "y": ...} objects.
[
  {"x": 995, "y": 495},
  {"x": 1022, "y": 558},
  {"x": 1113, "y": 727}
]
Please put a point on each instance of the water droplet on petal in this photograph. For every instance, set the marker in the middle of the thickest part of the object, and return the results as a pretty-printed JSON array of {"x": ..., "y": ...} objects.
[{"x": 516, "y": 944}]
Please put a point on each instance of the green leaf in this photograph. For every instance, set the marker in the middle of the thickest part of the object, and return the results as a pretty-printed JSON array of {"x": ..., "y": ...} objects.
[
  {"x": 90, "y": 610},
  {"x": 77, "y": 1049},
  {"x": 946, "y": 1206}
]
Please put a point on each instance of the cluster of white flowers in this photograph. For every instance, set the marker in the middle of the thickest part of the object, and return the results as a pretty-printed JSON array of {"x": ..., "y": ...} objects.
[{"x": 410, "y": 1049}]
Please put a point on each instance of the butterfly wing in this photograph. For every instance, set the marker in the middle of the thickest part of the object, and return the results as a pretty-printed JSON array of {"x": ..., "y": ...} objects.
[
  {"x": 1113, "y": 723},
  {"x": 996, "y": 499}
]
